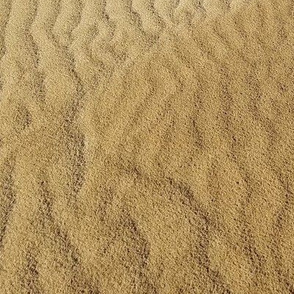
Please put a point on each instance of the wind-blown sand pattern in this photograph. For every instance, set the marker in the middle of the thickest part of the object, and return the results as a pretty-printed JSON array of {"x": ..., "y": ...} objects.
[{"x": 146, "y": 146}]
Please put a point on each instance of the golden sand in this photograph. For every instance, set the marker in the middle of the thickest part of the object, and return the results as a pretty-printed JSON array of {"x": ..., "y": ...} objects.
[{"x": 146, "y": 146}]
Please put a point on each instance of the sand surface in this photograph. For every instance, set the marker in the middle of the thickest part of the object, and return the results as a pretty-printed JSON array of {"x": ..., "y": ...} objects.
[{"x": 146, "y": 146}]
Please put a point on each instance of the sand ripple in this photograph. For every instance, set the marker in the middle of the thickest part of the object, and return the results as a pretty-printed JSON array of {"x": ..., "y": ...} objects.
[{"x": 146, "y": 146}]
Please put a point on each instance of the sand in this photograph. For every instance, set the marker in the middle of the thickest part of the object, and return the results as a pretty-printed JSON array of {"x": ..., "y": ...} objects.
[{"x": 146, "y": 146}]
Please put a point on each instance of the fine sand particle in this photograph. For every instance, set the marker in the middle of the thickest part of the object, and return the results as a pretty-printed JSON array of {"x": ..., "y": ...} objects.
[{"x": 146, "y": 146}]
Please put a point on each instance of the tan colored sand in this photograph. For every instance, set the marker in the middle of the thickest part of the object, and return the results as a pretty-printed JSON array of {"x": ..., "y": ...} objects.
[{"x": 146, "y": 146}]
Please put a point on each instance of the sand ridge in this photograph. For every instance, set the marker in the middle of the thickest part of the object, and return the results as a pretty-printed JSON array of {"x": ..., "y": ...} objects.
[{"x": 146, "y": 146}]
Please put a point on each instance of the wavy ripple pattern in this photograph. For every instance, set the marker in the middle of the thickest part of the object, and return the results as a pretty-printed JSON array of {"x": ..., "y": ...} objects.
[{"x": 146, "y": 146}]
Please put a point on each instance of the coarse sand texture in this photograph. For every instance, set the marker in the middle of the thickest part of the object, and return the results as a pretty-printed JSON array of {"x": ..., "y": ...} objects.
[{"x": 146, "y": 146}]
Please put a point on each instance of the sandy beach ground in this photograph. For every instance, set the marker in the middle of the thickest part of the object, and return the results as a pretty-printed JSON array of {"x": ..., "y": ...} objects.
[{"x": 146, "y": 146}]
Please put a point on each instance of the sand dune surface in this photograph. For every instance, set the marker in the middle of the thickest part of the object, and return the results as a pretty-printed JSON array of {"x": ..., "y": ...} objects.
[{"x": 146, "y": 146}]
